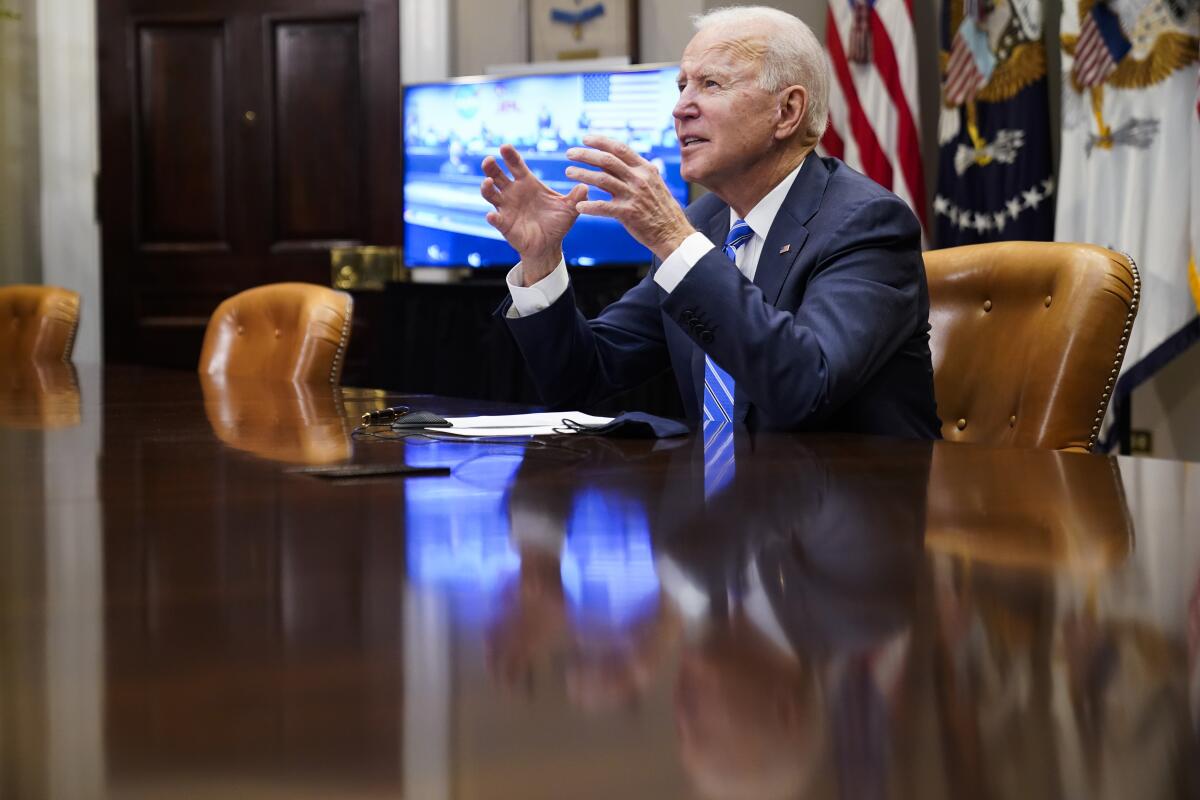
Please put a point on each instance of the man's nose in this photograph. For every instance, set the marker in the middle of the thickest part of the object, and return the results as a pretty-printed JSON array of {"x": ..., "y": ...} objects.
[{"x": 684, "y": 107}]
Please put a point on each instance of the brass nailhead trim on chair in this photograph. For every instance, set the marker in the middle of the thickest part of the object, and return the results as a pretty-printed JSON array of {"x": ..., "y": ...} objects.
[
  {"x": 335, "y": 369},
  {"x": 962, "y": 423},
  {"x": 70, "y": 346},
  {"x": 1129, "y": 317},
  {"x": 987, "y": 305}
]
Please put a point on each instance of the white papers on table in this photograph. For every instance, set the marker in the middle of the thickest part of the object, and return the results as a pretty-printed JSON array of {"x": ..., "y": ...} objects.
[{"x": 541, "y": 424}]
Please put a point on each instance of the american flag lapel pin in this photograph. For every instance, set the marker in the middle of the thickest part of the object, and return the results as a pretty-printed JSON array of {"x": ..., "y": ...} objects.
[{"x": 784, "y": 249}]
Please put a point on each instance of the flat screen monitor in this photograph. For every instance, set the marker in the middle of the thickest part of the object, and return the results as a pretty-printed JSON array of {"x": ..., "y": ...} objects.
[{"x": 450, "y": 127}]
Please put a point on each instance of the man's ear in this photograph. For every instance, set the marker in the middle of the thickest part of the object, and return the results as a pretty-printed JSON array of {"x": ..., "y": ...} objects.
[{"x": 793, "y": 105}]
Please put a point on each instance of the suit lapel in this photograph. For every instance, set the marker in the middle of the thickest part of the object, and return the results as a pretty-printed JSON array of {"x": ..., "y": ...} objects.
[
  {"x": 788, "y": 233},
  {"x": 716, "y": 229}
]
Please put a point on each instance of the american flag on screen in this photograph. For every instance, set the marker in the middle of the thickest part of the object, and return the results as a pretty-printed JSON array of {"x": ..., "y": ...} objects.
[
  {"x": 621, "y": 100},
  {"x": 873, "y": 102}
]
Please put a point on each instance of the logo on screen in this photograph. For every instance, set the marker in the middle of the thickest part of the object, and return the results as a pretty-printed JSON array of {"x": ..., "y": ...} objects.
[{"x": 466, "y": 101}]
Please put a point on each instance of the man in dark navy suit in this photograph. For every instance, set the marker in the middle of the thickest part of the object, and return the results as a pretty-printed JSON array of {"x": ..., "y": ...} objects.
[{"x": 792, "y": 297}]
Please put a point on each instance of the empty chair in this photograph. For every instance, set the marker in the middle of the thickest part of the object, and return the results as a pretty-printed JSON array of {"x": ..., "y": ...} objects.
[
  {"x": 1027, "y": 340},
  {"x": 282, "y": 331},
  {"x": 37, "y": 324}
]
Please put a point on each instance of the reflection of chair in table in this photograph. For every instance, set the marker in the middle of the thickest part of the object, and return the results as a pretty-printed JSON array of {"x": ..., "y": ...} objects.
[
  {"x": 39, "y": 395},
  {"x": 1053, "y": 513},
  {"x": 1019, "y": 541},
  {"x": 295, "y": 423}
]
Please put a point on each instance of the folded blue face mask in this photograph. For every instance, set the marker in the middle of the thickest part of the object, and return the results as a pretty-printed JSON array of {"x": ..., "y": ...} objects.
[{"x": 630, "y": 425}]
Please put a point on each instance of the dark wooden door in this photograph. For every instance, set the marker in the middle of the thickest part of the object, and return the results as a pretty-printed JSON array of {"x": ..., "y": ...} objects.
[{"x": 240, "y": 140}]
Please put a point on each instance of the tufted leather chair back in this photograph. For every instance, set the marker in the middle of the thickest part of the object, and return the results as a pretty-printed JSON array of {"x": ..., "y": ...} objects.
[
  {"x": 37, "y": 324},
  {"x": 1027, "y": 340},
  {"x": 282, "y": 331}
]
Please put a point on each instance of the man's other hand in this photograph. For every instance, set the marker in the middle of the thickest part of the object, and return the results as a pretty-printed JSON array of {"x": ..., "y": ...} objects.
[
  {"x": 531, "y": 216},
  {"x": 640, "y": 199}
]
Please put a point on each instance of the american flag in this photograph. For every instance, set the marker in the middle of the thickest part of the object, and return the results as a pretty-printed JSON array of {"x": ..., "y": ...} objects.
[
  {"x": 1100, "y": 47},
  {"x": 633, "y": 99},
  {"x": 970, "y": 65},
  {"x": 873, "y": 109},
  {"x": 1012, "y": 196}
]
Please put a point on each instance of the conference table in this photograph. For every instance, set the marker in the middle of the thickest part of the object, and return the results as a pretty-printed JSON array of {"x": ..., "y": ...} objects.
[{"x": 186, "y": 612}]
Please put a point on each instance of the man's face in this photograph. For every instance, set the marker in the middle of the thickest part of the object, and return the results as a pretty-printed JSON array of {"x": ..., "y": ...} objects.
[{"x": 724, "y": 121}]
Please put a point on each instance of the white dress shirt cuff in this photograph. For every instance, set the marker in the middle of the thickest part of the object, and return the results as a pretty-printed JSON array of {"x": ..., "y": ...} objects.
[
  {"x": 532, "y": 528},
  {"x": 528, "y": 300},
  {"x": 682, "y": 260}
]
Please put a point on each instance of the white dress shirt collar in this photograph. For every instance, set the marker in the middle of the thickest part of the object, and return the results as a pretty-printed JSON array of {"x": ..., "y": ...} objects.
[{"x": 762, "y": 216}]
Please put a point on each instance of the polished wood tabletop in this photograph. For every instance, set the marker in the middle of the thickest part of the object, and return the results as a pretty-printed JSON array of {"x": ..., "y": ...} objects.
[{"x": 184, "y": 613}]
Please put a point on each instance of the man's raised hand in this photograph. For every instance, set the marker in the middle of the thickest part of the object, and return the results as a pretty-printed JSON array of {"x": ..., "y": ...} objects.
[
  {"x": 640, "y": 198},
  {"x": 531, "y": 216}
]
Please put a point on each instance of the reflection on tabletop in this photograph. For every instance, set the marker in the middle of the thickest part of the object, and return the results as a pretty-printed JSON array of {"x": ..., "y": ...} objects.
[
  {"x": 822, "y": 631},
  {"x": 848, "y": 617},
  {"x": 780, "y": 612},
  {"x": 39, "y": 395},
  {"x": 294, "y": 423}
]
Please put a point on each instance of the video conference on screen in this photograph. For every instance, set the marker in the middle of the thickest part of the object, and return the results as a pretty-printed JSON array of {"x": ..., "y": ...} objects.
[{"x": 450, "y": 127}]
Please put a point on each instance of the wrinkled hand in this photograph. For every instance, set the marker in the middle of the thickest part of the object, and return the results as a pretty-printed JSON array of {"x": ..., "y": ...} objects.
[
  {"x": 640, "y": 199},
  {"x": 614, "y": 669},
  {"x": 531, "y": 619},
  {"x": 531, "y": 216}
]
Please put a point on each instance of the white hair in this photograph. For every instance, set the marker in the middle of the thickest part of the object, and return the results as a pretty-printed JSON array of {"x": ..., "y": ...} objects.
[{"x": 793, "y": 56}]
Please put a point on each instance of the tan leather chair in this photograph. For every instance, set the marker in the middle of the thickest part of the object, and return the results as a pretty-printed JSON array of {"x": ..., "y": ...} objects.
[
  {"x": 37, "y": 324},
  {"x": 1027, "y": 340},
  {"x": 282, "y": 331}
]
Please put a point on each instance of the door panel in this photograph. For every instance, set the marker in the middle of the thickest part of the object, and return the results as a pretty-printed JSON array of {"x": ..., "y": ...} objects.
[
  {"x": 319, "y": 124},
  {"x": 181, "y": 153}
]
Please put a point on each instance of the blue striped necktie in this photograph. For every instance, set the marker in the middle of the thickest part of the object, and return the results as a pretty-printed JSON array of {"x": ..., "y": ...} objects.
[{"x": 718, "y": 396}]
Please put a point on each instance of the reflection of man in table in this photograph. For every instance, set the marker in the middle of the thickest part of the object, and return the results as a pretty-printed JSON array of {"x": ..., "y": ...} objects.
[
  {"x": 557, "y": 514},
  {"x": 820, "y": 322},
  {"x": 797, "y": 586},
  {"x": 788, "y": 599}
]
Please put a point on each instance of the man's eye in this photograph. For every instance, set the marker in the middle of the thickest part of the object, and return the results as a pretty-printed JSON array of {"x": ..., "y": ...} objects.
[{"x": 711, "y": 84}]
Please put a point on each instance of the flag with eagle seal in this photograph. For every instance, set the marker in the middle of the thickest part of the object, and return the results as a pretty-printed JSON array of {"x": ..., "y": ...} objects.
[
  {"x": 995, "y": 176},
  {"x": 1130, "y": 160}
]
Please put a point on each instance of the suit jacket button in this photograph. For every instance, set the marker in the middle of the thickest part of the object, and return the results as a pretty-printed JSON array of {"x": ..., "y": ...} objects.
[{"x": 706, "y": 336}]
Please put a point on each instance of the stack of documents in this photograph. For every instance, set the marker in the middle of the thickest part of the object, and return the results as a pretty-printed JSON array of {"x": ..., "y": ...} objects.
[{"x": 545, "y": 423}]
